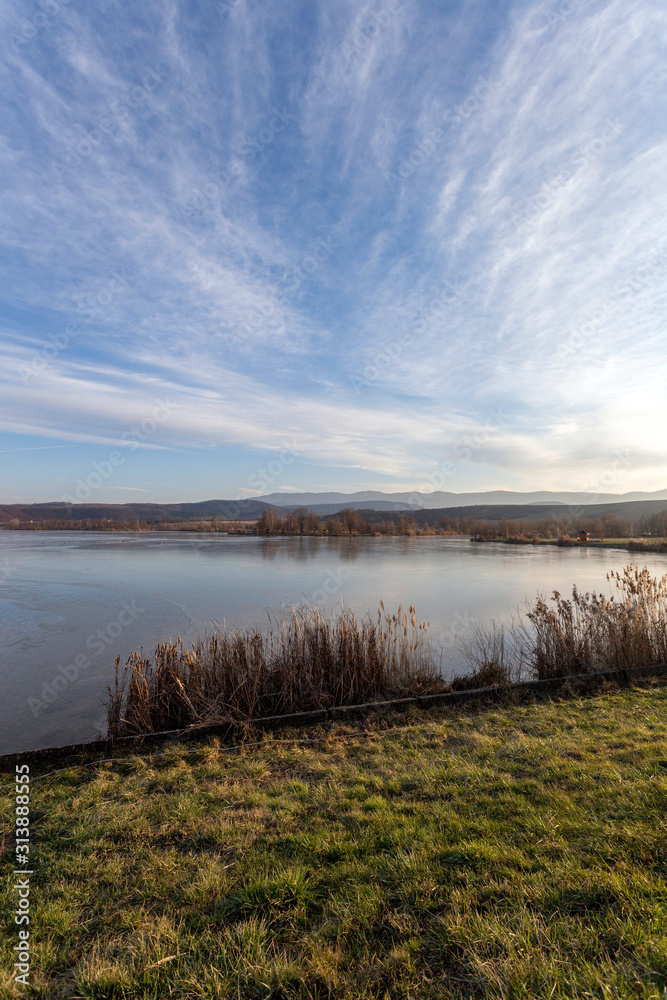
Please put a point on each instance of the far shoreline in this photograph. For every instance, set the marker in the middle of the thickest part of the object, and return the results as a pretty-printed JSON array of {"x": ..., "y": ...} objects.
[{"x": 624, "y": 545}]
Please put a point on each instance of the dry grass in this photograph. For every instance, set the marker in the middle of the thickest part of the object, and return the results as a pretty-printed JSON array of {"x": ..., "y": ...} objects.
[
  {"x": 305, "y": 662},
  {"x": 489, "y": 650}
]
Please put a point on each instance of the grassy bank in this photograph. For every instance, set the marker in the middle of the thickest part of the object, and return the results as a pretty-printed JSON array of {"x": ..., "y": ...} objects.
[
  {"x": 658, "y": 545},
  {"x": 516, "y": 852}
]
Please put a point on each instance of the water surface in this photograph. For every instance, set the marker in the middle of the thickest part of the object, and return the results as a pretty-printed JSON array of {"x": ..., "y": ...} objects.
[{"x": 71, "y": 602}]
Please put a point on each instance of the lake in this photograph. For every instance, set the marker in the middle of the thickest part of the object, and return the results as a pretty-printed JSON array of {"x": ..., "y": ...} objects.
[{"x": 71, "y": 602}]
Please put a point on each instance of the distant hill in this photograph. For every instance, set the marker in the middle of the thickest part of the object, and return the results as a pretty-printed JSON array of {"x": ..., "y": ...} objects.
[
  {"x": 225, "y": 510},
  {"x": 331, "y": 503},
  {"x": 632, "y": 511},
  {"x": 250, "y": 510},
  {"x": 334, "y": 508}
]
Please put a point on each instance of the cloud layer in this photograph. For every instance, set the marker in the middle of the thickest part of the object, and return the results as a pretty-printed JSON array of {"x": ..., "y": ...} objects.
[{"x": 376, "y": 231}]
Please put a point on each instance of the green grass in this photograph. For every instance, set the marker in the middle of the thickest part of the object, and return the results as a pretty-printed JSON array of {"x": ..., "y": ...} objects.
[{"x": 514, "y": 852}]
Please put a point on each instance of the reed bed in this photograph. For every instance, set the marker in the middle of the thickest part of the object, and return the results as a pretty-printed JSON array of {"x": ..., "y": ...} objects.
[
  {"x": 306, "y": 661},
  {"x": 585, "y": 634},
  {"x": 637, "y": 545}
]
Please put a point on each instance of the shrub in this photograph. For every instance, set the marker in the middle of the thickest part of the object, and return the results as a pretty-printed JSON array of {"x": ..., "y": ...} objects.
[{"x": 592, "y": 632}]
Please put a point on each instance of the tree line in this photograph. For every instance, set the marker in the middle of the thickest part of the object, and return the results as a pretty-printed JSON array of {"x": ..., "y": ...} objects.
[
  {"x": 350, "y": 521},
  {"x": 354, "y": 522}
]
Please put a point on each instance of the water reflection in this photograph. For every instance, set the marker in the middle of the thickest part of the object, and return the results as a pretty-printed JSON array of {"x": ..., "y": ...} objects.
[{"x": 309, "y": 547}]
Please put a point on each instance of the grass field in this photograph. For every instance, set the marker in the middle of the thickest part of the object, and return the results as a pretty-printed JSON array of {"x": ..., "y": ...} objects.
[{"x": 513, "y": 852}]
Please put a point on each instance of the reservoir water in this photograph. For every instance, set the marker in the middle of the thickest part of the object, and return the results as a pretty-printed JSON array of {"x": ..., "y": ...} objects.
[{"x": 70, "y": 602}]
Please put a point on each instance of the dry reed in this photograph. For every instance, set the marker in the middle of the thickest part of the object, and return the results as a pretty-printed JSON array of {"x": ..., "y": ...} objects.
[
  {"x": 305, "y": 662},
  {"x": 589, "y": 633}
]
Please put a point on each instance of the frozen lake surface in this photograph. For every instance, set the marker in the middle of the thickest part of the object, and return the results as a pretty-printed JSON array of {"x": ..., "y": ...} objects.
[{"x": 70, "y": 602}]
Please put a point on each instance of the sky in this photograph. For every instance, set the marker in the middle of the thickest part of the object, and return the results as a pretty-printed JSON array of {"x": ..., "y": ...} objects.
[{"x": 398, "y": 245}]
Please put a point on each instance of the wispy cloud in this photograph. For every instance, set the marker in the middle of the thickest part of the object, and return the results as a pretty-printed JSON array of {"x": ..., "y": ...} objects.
[{"x": 158, "y": 210}]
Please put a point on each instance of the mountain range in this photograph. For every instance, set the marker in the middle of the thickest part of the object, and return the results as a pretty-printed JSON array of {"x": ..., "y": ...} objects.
[
  {"x": 491, "y": 506},
  {"x": 331, "y": 503}
]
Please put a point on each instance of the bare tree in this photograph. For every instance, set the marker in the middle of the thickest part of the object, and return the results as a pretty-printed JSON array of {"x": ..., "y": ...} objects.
[
  {"x": 351, "y": 519},
  {"x": 313, "y": 523},
  {"x": 268, "y": 521},
  {"x": 406, "y": 525},
  {"x": 301, "y": 515}
]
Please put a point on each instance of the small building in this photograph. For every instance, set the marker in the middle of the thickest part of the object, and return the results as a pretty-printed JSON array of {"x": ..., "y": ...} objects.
[{"x": 583, "y": 536}]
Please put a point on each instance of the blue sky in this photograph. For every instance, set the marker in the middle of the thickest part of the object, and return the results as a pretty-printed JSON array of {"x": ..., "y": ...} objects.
[{"x": 392, "y": 245}]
